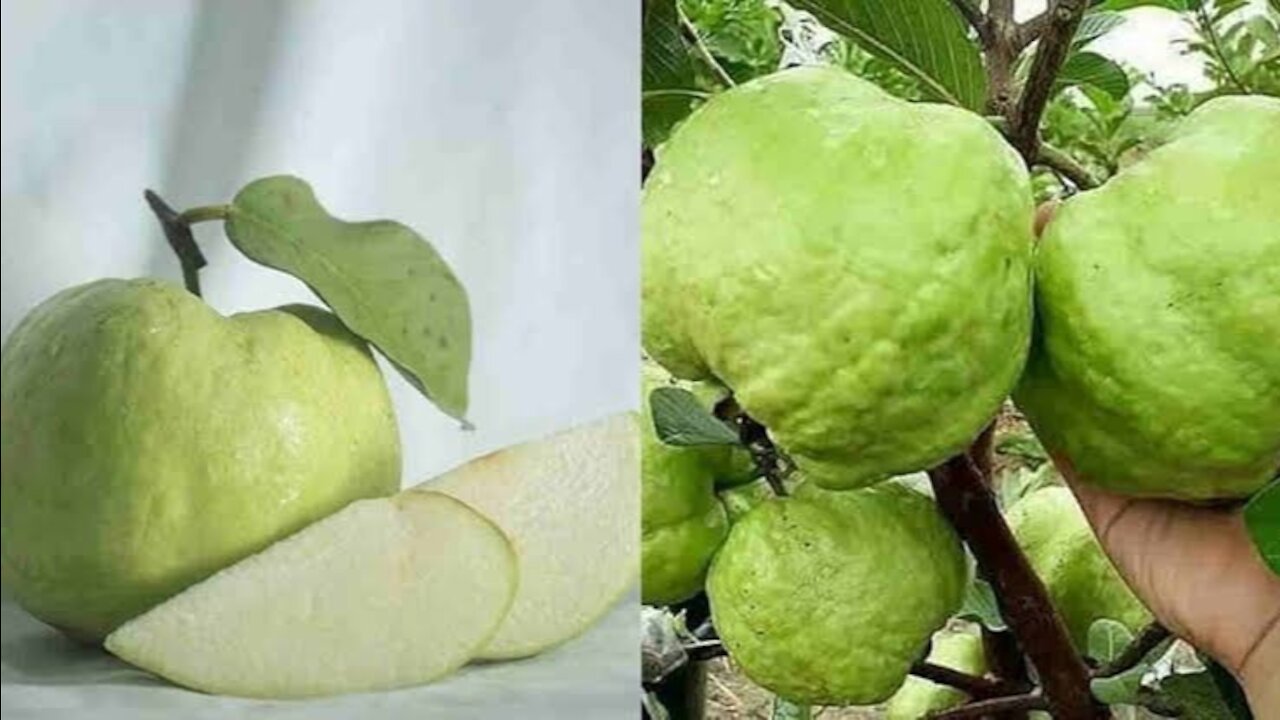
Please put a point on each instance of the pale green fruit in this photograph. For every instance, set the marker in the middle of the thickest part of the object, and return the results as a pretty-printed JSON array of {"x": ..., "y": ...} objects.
[
  {"x": 682, "y": 521},
  {"x": 827, "y": 598},
  {"x": 854, "y": 267},
  {"x": 569, "y": 504},
  {"x": 918, "y": 697},
  {"x": 1062, "y": 549},
  {"x": 1156, "y": 363},
  {"x": 148, "y": 442},
  {"x": 742, "y": 499},
  {"x": 383, "y": 594}
]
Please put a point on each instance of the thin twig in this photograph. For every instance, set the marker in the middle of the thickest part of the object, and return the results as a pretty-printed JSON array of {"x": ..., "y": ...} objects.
[
  {"x": 705, "y": 650},
  {"x": 178, "y": 233},
  {"x": 1030, "y": 31},
  {"x": 1027, "y": 701},
  {"x": 1051, "y": 51},
  {"x": 1207, "y": 29},
  {"x": 691, "y": 34},
  {"x": 1137, "y": 649},
  {"x": 1065, "y": 165},
  {"x": 975, "y": 686},
  {"x": 972, "y": 14}
]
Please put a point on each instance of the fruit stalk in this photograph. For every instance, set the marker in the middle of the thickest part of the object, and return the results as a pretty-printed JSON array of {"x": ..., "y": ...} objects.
[
  {"x": 980, "y": 688},
  {"x": 983, "y": 708},
  {"x": 965, "y": 500}
]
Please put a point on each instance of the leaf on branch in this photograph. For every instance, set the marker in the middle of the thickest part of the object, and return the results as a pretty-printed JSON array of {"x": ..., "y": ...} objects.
[
  {"x": 384, "y": 281},
  {"x": 1117, "y": 5},
  {"x": 1107, "y": 639},
  {"x": 1262, "y": 517},
  {"x": 679, "y": 419},
  {"x": 1093, "y": 70},
  {"x": 668, "y": 88},
  {"x": 784, "y": 709},
  {"x": 1123, "y": 689},
  {"x": 980, "y": 606},
  {"x": 1094, "y": 25},
  {"x": 926, "y": 39},
  {"x": 1191, "y": 695}
]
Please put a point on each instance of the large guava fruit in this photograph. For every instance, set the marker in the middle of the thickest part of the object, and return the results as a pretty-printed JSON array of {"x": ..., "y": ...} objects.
[
  {"x": 1155, "y": 367},
  {"x": 827, "y": 598},
  {"x": 855, "y": 268}
]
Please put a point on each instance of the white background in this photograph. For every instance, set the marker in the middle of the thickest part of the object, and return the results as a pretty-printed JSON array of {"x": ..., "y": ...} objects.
[{"x": 504, "y": 132}]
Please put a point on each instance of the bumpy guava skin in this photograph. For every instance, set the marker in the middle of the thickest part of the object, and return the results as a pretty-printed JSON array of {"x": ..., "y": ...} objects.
[
  {"x": 826, "y": 598},
  {"x": 1155, "y": 367},
  {"x": 1082, "y": 582},
  {"x": 855, "y": 268},
  {"x": 148, "y": 442}
]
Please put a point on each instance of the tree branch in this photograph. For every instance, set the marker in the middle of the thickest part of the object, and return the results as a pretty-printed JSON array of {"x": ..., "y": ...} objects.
[
  {"x": 975, "y": 686},
  {"x": 1055, "y": 42},
  {"x": 1066, "y": 166},
  {"x": 1028, "y": 701},
  {"x": 972, "y": 14},
  {"x": 1150, "y": 637},
  {"x": 1030, "y": 31},
  {"x": 177, "y": 231},
  {"x": 967, "y": 502}
]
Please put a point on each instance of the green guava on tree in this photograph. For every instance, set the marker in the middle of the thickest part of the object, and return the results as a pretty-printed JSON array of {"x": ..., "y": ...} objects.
[
  {"x": 149, "y": 441},
  {"x": 855, "y": 268},
  {"x": 1063, "y": 551},
  {"x": 827, "y": 598},
  {"x": 682, "y": 522},
  {"x": 1155, "y": 368},
  {"x": 918, "y": 697}
]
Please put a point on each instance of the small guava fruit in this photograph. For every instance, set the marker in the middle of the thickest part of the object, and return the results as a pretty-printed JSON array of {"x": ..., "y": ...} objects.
[
  {"x": 918, "y": 697},
  {"x": 682, "y": 522},
  {"x": 855, "y": 268},
  {"x": 149, "y": 441},
  {"x": 827, "y": 598},
  {"x": 1062, "y": 549},
  {"x": 1155, "y": 367}
]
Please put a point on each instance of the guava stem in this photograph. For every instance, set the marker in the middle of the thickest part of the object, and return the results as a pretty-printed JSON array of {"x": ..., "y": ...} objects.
[
  {"x": 977, "y": 687},
  {"x": 177, "y": 232},
  {"x": 205, "y": 213},
  {"x": 981, "y": 708},
  {"x": 1141, "y": 646},
  {"x": 1066, "y": 166}
]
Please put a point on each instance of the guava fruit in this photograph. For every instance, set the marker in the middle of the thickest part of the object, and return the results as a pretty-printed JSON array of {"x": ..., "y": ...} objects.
[
  {"x": 1155, "y": 367},
  {"x": 385, "y": 593},
  {"x": 918, "y": 697},
  {"x": 855, "y": 268},
  {"x": 149, "y": 441},
  {"x": 1061, "y": 547},
  {"x": 827, "y": 598},
  {"x": 682, "y": 522}
]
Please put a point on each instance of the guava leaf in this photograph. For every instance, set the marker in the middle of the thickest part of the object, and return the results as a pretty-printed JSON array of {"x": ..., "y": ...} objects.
[
  {"x": 1123, "y": 689},
  {"x": 926, "y": 39},
  {"x": 784, "y": 709},
  {"x": 1107, "y": 639},
  {"x": 668, "y": 86},
  {"x": 980, "y": 606},
  {"x": 1174, "y": 5},
  {"x": 383, "y": 280},
  {"x": 1094, "y": 25},
  {"x": 1262, "y": 517},
  {"x": 1093, "y": 70},
  {"x": 1022, "y": 445},
  {"x": 679, "y": 419}
]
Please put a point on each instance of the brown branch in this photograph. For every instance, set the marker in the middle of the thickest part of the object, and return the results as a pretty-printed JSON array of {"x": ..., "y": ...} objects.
[
  {"x": 1000, "y": 55},
  {"x": 975, "y": 686},
  {"x": 1150, "y": 638},
  {"x": 1025, "y": 702},
  {"x": 705, "y": 650},
  {"x": 967, "y": 502},
  {"x": 1030, "y": 31},
  {"x": 972, "y": 14},
  {"x": 1066, "y": 166},
  {"x": 1051, "y": 52}
]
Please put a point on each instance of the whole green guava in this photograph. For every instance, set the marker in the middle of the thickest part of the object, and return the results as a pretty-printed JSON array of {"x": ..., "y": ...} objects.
[
  {"x": 1061, "y": 547},
  {"x": 682, "y": 522},
  {"x": 827, "y": 598},
  {"x": 918, "y": 697},
  {"x": 855, "y": 268},
  {"x": 149, "y": 442},
  {"x": 1155, "y": 367}
]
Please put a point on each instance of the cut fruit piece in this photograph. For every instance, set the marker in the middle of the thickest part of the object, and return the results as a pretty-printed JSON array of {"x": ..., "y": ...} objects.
[
  {"x": 570, "y": 504},
  {"x": 382, "y": 594}
]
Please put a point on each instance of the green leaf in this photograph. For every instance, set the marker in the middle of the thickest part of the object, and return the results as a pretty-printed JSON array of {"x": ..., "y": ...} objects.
[
  {"x": 1191, "y": 695},
  {"x": 1174, "y": 5},
  {"x": 1107, "y": 639},
  {"x": 1093, "y": 70},
  {"x": 383, "y": 280},
  {"x": 926, "y": 39},
  {"x": 1122, "y": 689},
  {"x": 980, "y": 606},
  {"x": 668, "y": 83},
  {"x": 784, "y": 709},
  {"x": 1262, "y": 518},
  {"x": 1024, "y": 445},
  {"x": 1094, "y": 25},
  {"x": 679, "y": 419}
]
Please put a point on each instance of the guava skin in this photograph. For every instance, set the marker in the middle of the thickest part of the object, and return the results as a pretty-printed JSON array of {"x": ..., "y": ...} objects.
[
  {"x": 682, "y": 522},
  {"x": 1155, "y": 367},
  {"x": 918, "y": 697},
  {"x": 148, "y": 442},
  {"x": 1062, "y": 549},
  {"x": 855, "y": 268},
  {"x": 827, "y": 598}
]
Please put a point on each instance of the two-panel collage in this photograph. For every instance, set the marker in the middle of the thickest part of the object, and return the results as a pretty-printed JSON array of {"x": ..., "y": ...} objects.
[{"x": 640, "y": 359}]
